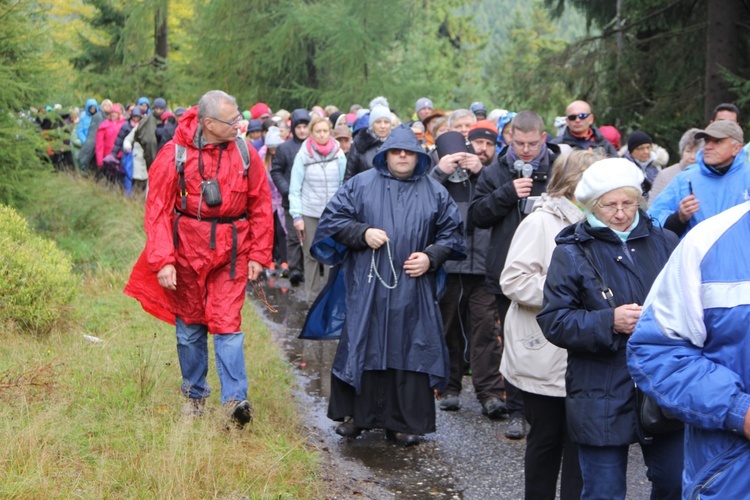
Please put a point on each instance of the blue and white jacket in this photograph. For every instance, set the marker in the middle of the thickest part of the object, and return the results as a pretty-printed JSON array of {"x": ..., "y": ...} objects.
[
  {"x": 715, "y": 192},
  {"x": 691, "y": 352}
]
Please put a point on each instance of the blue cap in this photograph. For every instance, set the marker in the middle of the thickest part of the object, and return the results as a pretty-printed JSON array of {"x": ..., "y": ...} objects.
[{"x": 478, "y": 106}]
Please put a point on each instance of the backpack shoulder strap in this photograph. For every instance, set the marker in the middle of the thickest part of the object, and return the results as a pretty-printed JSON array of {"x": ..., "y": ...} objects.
[
  {"x": 244, "y": 152},
  {"x": 180, "y": 156}
]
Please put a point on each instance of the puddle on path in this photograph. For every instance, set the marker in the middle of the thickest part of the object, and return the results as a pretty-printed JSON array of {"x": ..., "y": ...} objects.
[{"x": 415, "y": 472}]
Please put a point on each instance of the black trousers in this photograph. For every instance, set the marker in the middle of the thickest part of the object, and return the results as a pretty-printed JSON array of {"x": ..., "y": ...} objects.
[
  {"x": 547, "y": 445},
  {"x": 468, "y": 312},
  {"x": 279, "y": 240},
  {"x": 293, "y": 245},
  {"x": 513, "y": 397}
]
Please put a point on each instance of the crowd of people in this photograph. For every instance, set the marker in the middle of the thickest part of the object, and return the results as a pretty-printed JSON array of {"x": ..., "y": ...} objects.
[{"x": 454, "y": 243}]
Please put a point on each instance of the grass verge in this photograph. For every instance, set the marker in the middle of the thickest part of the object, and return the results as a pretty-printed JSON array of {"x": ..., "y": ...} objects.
[{"x": 102, "y": 420}]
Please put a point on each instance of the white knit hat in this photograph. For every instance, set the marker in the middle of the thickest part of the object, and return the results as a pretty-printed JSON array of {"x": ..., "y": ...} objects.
[
  {"x": 273, "y": 138},
  {"x": 605, "y": 175},
  {"x": 379, "y": 112}
]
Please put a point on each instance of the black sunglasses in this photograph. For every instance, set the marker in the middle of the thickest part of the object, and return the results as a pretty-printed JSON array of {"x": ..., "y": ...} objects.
[{"x": 580, "y": 116}]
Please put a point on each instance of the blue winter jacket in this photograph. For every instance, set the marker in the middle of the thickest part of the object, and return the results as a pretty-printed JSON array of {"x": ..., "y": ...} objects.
[
  {"x": 84, "y": 120},
  {"x": 600, "y": 400},
  {"x": 691, "y": 352},
  {"x": 715, "y": 192},
  {"x": 399, "y": 328}
]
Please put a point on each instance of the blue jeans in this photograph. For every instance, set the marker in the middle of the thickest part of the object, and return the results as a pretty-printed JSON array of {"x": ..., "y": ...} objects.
[
  {"x": 604, "y": 468},
  {"x": 192, "y": 350}
]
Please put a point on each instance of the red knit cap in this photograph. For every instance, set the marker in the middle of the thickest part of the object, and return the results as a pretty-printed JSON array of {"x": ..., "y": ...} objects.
[
  {"x": 484, "y": 129},
  {"x": 259, "y": 109}
]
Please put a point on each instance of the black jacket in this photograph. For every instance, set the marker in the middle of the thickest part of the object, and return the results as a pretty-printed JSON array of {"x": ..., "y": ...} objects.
[
  {"x": 600, "y": 399},
  {"x": 283, "y": 160},
  {"x": 598, "y": 142},
  {"x": 120, "y": 139},
  {"x": 364, "y": 148},
  {"x": 496, "y": 205},
  {"x": 477, "y": 240},
  {"x": 167, "y": 132}
]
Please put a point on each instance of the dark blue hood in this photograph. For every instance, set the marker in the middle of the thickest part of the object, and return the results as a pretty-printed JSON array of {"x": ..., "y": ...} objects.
[
  {"x": 299, "y": 116},
  {"x": 402, "y": 137}
]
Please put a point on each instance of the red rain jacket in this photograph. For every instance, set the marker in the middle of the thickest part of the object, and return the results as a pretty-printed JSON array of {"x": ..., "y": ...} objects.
[
  {"x": 206, "y": 294},
  {"x": 106, "y": 135}
]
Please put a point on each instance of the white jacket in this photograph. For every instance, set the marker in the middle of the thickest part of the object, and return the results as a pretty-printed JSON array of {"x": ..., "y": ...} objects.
[
  {"x": 140, "y": 172},
  {"x": 529, "y": 361}
]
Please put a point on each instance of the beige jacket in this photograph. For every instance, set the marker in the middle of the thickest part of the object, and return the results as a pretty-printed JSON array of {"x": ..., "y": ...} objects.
[{"x": 529, "y": 361}]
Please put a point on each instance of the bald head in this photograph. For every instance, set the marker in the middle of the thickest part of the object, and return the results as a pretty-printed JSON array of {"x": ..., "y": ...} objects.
[
  {"x": 578, "y": 107},
  {"x": 578, "y": 117}
]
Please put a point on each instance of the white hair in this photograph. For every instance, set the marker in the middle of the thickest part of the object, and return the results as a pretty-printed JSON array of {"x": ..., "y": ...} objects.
[{"x": 211, "y": 102}]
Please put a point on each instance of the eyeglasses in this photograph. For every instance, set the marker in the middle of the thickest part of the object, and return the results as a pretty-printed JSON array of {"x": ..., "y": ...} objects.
[
  {"x": 532, "y": 146},
  {"x": 580, "y": 116},
  {"x": 612, "y": 209},
  {"x": 231, "y": 124}
]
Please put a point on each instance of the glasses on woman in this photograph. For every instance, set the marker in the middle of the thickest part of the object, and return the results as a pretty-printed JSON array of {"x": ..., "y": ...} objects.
[{"x": 613, "y": 208}]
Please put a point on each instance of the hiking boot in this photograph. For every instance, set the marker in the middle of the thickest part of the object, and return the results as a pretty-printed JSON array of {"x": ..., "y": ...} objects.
[
  {"x": 348, "y": 428},
  {"x": 516, "y": 428},
  {"x": 240, "y": 412},
  {"x": 194, "y": 407},
  {"x": 449, "y": 402},
  {"x": 494, "y": 408},
  {"x": 403, "y": 438}
]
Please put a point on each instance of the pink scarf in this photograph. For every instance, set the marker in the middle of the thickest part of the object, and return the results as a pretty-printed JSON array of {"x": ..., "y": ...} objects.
[{"x": 322, "y": 150}]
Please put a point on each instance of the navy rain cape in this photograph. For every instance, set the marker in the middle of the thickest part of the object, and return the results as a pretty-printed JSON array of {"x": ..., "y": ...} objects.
[{"x": 382, "y": 329}]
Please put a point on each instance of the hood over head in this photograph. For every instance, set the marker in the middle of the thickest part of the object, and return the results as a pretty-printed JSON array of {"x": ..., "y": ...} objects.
[
  {"x": 91, "y": 102},
  {"x": 299, "y": 116},
  {"x": 402, "y": 137}
]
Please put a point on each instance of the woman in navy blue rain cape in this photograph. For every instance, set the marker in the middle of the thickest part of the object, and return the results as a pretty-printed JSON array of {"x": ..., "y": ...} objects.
[{"x": 392, "y": 351}]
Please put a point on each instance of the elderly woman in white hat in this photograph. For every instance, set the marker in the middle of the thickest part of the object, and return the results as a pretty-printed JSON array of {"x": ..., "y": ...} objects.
[{"x": 598, "y": 279}]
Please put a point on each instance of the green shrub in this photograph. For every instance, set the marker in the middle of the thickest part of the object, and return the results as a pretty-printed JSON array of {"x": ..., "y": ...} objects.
[{"x": 36, "y": 283}]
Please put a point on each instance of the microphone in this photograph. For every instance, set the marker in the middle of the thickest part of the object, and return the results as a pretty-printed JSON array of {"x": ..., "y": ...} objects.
[
  {"x": 526, "y": 170},
  {"x": 518, "y": 167}
]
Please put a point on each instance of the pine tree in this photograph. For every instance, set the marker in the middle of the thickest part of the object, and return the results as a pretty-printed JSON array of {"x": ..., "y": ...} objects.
[{"x": 21, "y": 84}]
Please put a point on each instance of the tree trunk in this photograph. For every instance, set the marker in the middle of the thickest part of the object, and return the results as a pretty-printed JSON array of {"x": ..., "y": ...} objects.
[
  {"x": 722, "y": 50},
  {"x": 161, "y": 41}
]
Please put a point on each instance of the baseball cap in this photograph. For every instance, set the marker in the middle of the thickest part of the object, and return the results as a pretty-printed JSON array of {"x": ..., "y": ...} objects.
[
  {"x": 342, "y": 131},
  {"x": 721, "y": 129},
  {"x": 477, "y": 107}
]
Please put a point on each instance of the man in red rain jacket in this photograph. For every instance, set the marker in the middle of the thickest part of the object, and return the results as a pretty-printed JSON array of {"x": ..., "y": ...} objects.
[{"x": 209, "y": 229}]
